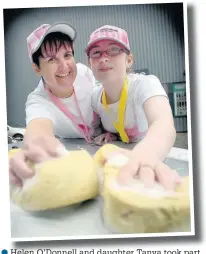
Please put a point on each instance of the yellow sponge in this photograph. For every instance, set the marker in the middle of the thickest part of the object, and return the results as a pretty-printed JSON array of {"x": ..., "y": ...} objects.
[
  {"x": 58, "y": 182},
  {"x": 133, "y": 208}
]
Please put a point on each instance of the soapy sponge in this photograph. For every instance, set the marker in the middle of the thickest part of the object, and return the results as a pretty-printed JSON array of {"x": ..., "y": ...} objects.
[
  {"x": 66, "y": 180},
  {"x": 133, "y": 208}
]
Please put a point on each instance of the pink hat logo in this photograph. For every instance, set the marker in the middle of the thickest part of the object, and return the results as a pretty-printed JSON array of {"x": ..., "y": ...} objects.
[{"x": 111, "y": 33}]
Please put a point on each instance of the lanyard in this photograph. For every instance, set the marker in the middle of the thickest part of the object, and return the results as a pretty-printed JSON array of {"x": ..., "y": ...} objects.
[
  {"x": 82, "y": 128},
  {"x": 119, "y": 126}
]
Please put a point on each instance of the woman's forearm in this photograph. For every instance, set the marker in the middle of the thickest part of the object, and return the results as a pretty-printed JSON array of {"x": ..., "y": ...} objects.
[{"x": 38, "y": 128}]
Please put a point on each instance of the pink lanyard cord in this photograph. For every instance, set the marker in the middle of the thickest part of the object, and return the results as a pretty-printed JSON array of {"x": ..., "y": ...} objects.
[{"x": 82, "y": 127}]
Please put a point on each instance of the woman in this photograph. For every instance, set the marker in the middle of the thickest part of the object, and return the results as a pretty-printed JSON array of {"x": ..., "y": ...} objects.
[{"x": 60, "y": 106}]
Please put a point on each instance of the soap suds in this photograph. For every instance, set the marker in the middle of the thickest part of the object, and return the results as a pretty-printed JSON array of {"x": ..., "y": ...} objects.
[
  {"x": 118, "y": 161},
  {"x": 138, "y": 187}
]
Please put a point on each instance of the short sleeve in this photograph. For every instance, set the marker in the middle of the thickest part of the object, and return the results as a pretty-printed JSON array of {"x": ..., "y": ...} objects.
[
  {"x": 149, "y": 86},
  {"x": 38, "y": 107}
]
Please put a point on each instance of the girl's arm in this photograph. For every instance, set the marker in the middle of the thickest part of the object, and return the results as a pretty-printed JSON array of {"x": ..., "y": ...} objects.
[
  {"x": 146, "y": 158},
  {"x": 161, "y": 133}
]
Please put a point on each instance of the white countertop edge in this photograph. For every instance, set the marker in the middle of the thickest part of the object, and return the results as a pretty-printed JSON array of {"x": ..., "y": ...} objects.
[{"x": 179, "y": 154}]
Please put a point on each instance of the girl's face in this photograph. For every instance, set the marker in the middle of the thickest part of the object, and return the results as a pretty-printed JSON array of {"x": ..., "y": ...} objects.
[
  {"x": 58, "y": 69},
  {"x": 109, "y": 67}
]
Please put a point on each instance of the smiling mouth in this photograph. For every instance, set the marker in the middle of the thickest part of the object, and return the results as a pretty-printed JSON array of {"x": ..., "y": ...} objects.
[
  {"x": 105, "y": 69},
  {"x": 63, "y": 75}
]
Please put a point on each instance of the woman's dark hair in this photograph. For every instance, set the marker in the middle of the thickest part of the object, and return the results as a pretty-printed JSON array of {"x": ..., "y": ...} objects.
[{"x": 58, "y": 39}]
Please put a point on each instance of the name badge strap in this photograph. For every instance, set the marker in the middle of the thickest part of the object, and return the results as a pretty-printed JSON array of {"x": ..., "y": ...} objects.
[
  {"x": 60, "y": 105},
  {"x": 119, "y": 125},
  {"x": 83, "y": 120}
]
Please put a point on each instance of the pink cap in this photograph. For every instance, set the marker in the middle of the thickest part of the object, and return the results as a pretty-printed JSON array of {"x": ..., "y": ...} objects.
[
  {"x": 109, "y": 33},
  {"x": 35, "y": 39}
]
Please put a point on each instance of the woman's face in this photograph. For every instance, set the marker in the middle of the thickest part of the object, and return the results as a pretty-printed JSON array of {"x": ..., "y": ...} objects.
[
  {"x": 58, "y": 69},
  {"x": 107, "y": 68}
]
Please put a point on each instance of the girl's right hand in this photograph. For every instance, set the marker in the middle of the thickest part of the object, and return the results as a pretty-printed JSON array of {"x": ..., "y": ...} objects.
[{"x": 37, "y": 150}]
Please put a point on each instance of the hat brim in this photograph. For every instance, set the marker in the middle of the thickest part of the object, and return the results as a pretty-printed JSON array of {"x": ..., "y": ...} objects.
[
  {"x": 61, "y": 27},
  {"x": 105, "y": 38}
]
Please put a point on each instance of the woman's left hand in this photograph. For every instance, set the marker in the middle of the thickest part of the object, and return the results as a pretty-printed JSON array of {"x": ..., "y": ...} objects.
[{"x": 148, "y": 169}]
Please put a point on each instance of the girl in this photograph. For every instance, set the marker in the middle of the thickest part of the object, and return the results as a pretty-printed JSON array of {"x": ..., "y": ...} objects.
[{"x": 133, "y": 106}]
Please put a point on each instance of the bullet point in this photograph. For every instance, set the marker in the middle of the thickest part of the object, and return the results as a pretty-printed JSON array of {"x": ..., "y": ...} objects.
[{"x": 4, "y": 252}]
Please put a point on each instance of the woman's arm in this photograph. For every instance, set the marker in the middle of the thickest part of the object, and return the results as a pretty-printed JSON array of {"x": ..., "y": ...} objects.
[
  {"x": 40, "y": 144},
  {"x": 39, "y": 127}
]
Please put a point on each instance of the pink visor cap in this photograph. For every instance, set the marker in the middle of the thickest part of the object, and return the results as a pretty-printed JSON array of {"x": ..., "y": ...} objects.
[
  {"x": 109, "y": 33},
  {"x": 35, "y": 39}
]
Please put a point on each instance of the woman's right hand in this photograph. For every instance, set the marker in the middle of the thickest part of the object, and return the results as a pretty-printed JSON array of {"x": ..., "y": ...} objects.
[{"x": 36, "y": 150}]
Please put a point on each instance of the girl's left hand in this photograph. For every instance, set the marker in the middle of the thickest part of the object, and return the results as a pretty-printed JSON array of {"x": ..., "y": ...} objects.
[{"x": 147, "y": 168}]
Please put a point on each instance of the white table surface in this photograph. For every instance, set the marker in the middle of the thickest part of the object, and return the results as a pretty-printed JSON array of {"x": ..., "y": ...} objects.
[{"x": 80, "y": 220}]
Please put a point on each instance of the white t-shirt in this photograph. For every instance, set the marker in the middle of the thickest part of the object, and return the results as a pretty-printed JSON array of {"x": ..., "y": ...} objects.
[
  {"x": 39, "y": 105},
  {"x": 140, "y": 88}
]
